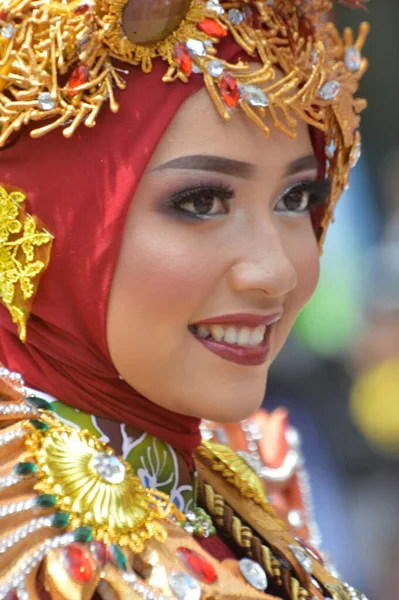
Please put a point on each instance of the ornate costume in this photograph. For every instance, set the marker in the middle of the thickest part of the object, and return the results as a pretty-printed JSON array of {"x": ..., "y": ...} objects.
[{"x": 100, "y": 494}]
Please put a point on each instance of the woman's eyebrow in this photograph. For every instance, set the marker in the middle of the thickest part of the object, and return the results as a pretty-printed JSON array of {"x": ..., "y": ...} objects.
[
  {"x": 304, "y": 163},
  {"x": 229, "y": 166},
  {"x": 217, "y": 164}
]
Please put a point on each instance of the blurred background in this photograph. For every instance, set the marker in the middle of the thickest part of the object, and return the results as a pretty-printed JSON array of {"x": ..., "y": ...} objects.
[{"x": 339, "y": 374}]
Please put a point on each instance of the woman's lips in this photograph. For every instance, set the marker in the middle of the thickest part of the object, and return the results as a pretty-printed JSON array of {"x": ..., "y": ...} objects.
[{"x": 239, "y": 353}]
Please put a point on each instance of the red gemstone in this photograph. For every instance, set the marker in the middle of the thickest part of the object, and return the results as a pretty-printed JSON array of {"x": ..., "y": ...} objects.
[
  {"x": 83, "y": 8},
  {"x": 78, "y": 563},
  {"x": 229, "y": 90},
  {"x": 183, "y": 59},
  {"x": 212, "y": 28},
  {"x": 197, "y": 565},
  {"x": 12, "y": 595},
  {"x": 99, "y": 551},
  {"x": 315, "y": 553},
  {"x": 3, "y": 17},
  {"x": 78, "y": 77}
]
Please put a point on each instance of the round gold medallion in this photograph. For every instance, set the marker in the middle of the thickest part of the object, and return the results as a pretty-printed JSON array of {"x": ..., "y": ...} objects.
[{"x": 152, "y": 20}]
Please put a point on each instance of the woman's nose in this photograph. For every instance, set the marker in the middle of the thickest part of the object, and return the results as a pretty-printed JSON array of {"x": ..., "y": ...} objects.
[{"x": 264, "y": 265}]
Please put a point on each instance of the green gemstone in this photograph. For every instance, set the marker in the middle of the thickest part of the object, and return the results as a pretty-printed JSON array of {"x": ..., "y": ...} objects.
[
  {"x": 60, "y": 520},
  {"x": 46, "y": 501},
  {"x": 40, "y": 403},
  {"x": 118, "y": 557},
  {"x": 83, "y": 534},
  {"x": 25, "y": 469},
  {"x": 39, "y": 425}
]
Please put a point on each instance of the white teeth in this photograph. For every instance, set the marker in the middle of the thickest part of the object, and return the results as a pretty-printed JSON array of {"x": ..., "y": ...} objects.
[
  {"x": 257, "y": 335},
  {"x": 217, "y": 332},
  {"x": 202, "y": 332},
  {"x": 244, "y": 336},
  {"x": 230, "y": 335},
  {"x": 235, "y": 336}
]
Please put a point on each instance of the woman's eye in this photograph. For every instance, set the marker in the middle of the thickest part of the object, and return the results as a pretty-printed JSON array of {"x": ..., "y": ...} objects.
[
  {"x": 203, "y": 202},
  {"x": 301, "y": 198}
]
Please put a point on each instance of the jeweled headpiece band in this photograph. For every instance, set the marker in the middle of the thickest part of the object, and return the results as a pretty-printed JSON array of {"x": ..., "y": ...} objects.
[{"x": 57, "y": 65}]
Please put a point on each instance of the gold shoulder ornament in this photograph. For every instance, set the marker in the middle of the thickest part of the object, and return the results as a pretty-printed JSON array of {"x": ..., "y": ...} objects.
[{"x": 76, "y": 522}]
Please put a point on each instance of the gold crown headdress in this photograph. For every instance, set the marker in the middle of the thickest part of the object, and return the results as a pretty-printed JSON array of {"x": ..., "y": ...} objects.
[
  {"x": 57, "y": 67},
  {"x": 57, "y": 63}
]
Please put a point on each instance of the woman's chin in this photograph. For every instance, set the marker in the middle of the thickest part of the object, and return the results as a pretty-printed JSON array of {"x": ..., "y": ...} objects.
[{"x": 231, "y": 412}]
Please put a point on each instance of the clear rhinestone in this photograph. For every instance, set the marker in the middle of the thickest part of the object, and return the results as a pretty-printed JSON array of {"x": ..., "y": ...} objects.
[
  {"x": 189, "y": 528},
  {"x": 235, "y": 16},
  {"x": 302, "y": 557},
  {"x": 353, "y": 58},
  {"x": 45, "y": 101},
  {"x": 295, "y": 518},
  {"x": 253, "y": 95},
  {"x": 184, "y": 586},
  {"x": 253, "y": 573},
  {"x": 108, "y": 467},
  {"x": 7, "y": 31},
  {"x": 215, "y": 6},
  {"x": 215, "y": 67},
  {"x": 196, "y": 47},
  {"x": 196, "y": 69},
  {"x": 357, "y": 154},
  {"x": 330, "y": 90}
]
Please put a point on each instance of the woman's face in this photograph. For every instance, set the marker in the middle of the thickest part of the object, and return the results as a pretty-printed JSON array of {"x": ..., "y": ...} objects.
[{"x": 218, "y": 257}]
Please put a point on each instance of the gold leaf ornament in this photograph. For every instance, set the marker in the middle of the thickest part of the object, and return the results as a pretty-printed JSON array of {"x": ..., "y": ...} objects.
[{"x": 25, "y": 247}]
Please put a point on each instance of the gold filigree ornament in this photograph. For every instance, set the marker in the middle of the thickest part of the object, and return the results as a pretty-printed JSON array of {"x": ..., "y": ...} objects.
[
  {"x": 94, "y": 487},
  {"x": 25, "y": 247},
  {"x": 57, "y": 64}
]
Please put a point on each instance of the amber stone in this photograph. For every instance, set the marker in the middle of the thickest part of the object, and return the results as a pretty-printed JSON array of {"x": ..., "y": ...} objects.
[
  {"x": 152, "y": 20},
  {"x": 212, "y": 28}
]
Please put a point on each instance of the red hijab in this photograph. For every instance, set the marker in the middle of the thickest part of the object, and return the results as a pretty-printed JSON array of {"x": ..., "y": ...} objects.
[{"x": 82, "y": 189}]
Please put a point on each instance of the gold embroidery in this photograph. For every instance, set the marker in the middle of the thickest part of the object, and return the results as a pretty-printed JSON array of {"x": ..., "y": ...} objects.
[
  {"x": 233, "y": 468},
  {"x": 25, "y": 248}
]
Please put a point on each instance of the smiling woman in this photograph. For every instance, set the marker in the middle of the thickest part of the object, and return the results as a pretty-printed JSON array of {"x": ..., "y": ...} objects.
[
  {"x": 151, "y": 269},
  {"x": 213, "y": 240}
]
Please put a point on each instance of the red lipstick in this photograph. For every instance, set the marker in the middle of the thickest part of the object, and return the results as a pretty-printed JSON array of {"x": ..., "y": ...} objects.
[{"x": 241, "y": 355}]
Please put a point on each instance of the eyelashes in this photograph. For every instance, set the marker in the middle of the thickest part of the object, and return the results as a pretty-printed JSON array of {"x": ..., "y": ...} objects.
[
  {"x": 202, "y": 201},
  {"x": 210, "y": 201},
  {"x": 304, "y": 196}
]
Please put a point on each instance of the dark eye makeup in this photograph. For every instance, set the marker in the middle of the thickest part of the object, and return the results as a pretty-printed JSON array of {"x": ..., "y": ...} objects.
[
  {"x": 210, "y": 201},
  {"x": 202, "y": 201},
  {"x": 304, "y": 196}
]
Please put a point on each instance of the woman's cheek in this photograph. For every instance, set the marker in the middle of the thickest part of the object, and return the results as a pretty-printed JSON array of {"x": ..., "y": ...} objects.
[
  {"x": 167, "y": 276},
  {"x": 307, "y": 266}
]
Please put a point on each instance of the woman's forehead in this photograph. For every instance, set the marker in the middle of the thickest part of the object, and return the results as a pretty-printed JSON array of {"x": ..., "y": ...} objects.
[{"x": 197, "y": 129}]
